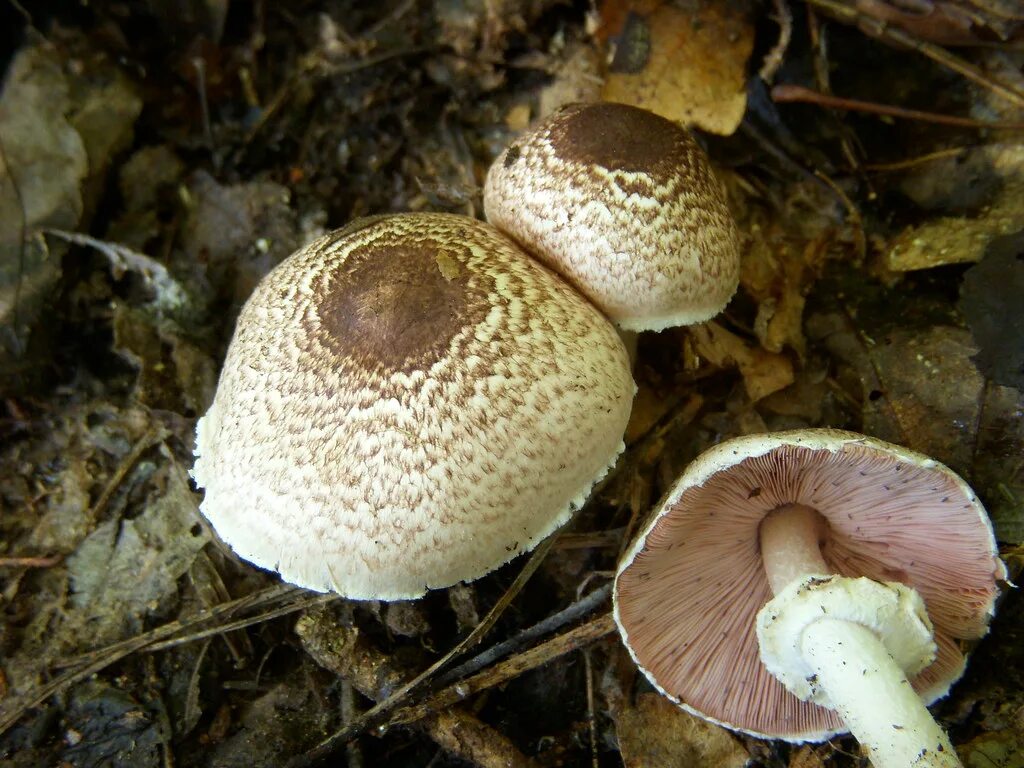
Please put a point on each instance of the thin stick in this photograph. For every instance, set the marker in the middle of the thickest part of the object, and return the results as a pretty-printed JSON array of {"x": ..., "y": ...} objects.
[
  {"x": 554, "y": 622},
  {"x": 882, "y": 31},
  {"x": 588, "y": 669},
  {"x": 254, "y": 600},
  {"x": 153, "y": 435},
  {"x": 775, "y": 57},
  {"x": 910, "y": 162},
  {"x": 204, "y": 106},
  {"x": 347, "y": 652},
  {"x": 531, "y": 659},
  {"x": 42, "y": 561},
  {"x": 797, "y": 93},
  {"x": 373, "y": 715},
  {"x": 299, "y": 605},
  {"x": 852, "y": 214},
  {"x": 99, "y": 660}
]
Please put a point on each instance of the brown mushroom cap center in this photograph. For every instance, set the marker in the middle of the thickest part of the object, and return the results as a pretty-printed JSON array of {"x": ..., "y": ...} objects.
[
  {"x": 619, "y": 138},
  {"x": 399, "y": 305}
]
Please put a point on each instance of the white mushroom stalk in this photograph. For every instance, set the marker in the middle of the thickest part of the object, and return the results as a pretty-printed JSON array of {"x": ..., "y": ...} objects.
[{"x": 848, "y": 644}]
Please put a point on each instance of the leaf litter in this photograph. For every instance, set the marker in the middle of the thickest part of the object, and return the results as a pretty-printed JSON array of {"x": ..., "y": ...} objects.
[{"x": 149, "y": 181}]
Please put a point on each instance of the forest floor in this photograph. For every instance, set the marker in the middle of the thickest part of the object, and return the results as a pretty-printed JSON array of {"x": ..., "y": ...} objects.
[{"x": 160, "y": 157}]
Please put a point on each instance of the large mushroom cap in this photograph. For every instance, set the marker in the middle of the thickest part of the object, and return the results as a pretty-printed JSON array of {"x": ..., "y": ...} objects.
[
  {"x": 688, "y": 592},
  {"x": 405, "y": 404},
  {"x": 624, "y": 205}
]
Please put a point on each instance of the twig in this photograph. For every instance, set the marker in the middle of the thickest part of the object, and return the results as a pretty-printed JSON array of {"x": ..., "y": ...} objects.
[
  {"x": 43, "y": 561},
  {"x": 90, "y": 664},
  {"x": 344, "y": 651},
  {"x": 309, "y": 602},
  {"x": 349, "y": 712},
  {"x": 848, "y": 141},
  {"x": 21, "y": 9},
  {"x": 554, "y": 622},
  {"x": 882, "y": 31},
  {"x": 775, "y": 57},
  {"x": 910, "y": 162},
  {"x": 254, "y": 600},
  {"x": 797, "y": 93},
  {"x": 852, "y": 214},
  {"x": 529, "y": 660},
  {"x": 590, "y": 539},
  {"x": 152, "y": 436},
  {"x": 588, "y": 670},
  {"x": 204, "y": 105},
  {"x": 375, "y": 714}
]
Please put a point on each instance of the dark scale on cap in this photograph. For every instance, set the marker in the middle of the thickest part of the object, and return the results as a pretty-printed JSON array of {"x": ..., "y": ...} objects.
[
  {"x": 399, "y": 305},
  {"x": 621, "y": 138},
  {"x": 511, "y": 155}
]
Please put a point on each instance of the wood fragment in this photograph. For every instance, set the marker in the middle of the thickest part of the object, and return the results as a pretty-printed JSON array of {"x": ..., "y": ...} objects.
[
  {"x": 556, "y": 621},
  {"x": 797, "y": 93},
  {"x": 376, "y": 713},
  {"x": 879, "y": 29},
  {"x": 535, "y": 657},
  {"x": 784, "y": 18},
  {"x": 40, "y": 561},
  {"x": 344, "y": 651},
  {"x": 152, "y": 436}
]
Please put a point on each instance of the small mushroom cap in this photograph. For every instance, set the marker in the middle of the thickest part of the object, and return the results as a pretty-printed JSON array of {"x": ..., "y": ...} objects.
[
  {"x": 689, "y": 590},
  {"x": 624, "y": 205},
  {"x": 408, "y": 403}
]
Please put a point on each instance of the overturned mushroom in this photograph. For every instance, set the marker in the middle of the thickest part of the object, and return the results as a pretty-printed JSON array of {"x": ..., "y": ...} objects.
[
  {"x": 624, "y": 205},
  {"x": 881, "y": 561},
  {"x": 407, "y": 403}
]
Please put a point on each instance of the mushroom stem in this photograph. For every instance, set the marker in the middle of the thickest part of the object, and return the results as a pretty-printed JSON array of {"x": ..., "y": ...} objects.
[
  {"x": 871, "y": 693},
  {"x": 853, "y": 667},
  {"x": 791, "y": 538}
]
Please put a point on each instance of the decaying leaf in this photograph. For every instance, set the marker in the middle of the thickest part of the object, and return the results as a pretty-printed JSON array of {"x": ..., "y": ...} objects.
[
  {"x": 998, "y": 470},
  {"x": 126, "y": 568},
  {"x": 684, "y": 60},
  {"x": 653, "y": 733},
  {"x": 990, "y": 299},
  {"x": 920, "y": 388},
  {"x": 763, "y": 372},
  {"x": 238, "y": 232},
  {"x": 998, "y": 749},
  {"x": 108, "y": 726},
  {"x": 955, "y": 239},
  {"x": 42, "y": 167}
]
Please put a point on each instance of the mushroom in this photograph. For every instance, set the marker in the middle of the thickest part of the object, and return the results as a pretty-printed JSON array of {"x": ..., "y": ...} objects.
[
  {"x": 624, "y": 205},
  {"x": 868, "y": 548},
  {"x": 407, "y": 403}
]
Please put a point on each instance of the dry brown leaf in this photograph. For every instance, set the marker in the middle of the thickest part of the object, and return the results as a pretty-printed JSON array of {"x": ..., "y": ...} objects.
[
  {"x": 777, "y": 272},
  {"x": 763, "y": 372},
  {"x": 654, "y": 733},
  {"x": 958, "y": 239},
  {"x": 685, "y": 61},
  {"x": 577, "y": 79}
]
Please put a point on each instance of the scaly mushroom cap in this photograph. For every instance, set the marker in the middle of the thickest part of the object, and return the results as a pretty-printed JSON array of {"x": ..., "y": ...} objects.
[
  {"x": 688, "y": 592},
  {"x": 624, "y": 205},
  {"x": 407, "y": 403}
]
